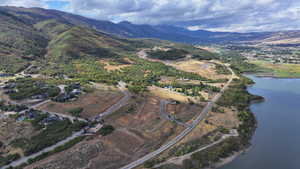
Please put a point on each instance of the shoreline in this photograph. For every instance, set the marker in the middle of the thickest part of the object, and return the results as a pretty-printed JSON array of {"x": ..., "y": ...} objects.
[
  {"x": 228, "y": 160},
  {"x": 266, "y": 75},
  {"x": 235, "y": 155}
]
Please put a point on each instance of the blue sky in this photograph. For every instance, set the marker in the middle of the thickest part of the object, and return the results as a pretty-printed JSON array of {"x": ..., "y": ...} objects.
[
  {"x": 214, "y": 15},
  {"x": 60, "y": 5}
]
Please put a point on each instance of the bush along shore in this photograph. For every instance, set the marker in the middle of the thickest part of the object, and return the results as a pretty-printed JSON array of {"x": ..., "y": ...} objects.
[{"x": 236, "y": 96}]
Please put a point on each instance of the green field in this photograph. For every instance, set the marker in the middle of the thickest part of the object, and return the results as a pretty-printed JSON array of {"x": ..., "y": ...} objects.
[{"x": 280, "y": 70}]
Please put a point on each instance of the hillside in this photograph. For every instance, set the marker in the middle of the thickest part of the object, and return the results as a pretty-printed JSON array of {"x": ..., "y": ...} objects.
[
  {"x": 47, "y": 37},
  {"x": 83, "y": 43},
  {"x": 284, "y": 38},
  {"x": 127, "y": 29},
  {"x": 19, "y": 43}
]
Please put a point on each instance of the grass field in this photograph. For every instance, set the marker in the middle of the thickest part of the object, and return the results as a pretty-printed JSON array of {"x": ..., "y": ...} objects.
[{"x": 280, "y": 70}]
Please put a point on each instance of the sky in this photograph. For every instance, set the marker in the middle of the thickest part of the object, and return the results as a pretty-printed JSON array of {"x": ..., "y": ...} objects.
[{"x": 213, "y": 15}]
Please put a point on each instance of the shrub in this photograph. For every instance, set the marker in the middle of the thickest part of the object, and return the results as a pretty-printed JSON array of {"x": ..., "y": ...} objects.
[
  {"x": 76, "y": 111},
  {"x": 106, "y": 130}
]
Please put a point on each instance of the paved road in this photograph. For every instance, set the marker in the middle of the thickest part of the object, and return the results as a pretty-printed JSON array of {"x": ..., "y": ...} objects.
[
  {"x": 180, "y": 159},
  {"x": 185, "y": 132},
  {"x": 122, "y": 102},
  {"x": 119, "y": 104},
  {"x": 48, "y": 149},
  {"x": 115, "y": 107},
  {"x": 167, "y": 116},
  {"x": 71, "y": 118}
]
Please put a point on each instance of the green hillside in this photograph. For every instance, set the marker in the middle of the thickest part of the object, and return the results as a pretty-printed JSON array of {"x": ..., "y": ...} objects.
[
  {"x": 54, "y": 40},
  {"x": 83, "y": 43},
  {"x": 25, "y": 38},
  {"x": 19, "y": 43},
  {"x": 52, "y": 27}
]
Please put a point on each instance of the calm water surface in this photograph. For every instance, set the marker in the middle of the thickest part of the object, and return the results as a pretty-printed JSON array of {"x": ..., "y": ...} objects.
[{"x": 276, "y": 143}]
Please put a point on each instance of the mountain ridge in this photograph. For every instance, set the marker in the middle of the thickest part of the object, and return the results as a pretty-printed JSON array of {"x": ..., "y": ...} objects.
[{"x": 129, "y": 30}]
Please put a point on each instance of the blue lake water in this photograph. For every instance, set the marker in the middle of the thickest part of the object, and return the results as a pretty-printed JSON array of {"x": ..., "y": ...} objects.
[{"x": 276, "y": 143}]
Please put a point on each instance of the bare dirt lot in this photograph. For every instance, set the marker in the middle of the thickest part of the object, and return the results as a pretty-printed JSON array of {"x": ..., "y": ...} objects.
[
  {"x": 203, "y": 68},
  {"x": 92, "y": 103},
  {"x": 11, "y": 130},
  {"x": 166, "y": 94},
  {"x": 184, "y": 112},
  {"x": 138, "y": 131}
]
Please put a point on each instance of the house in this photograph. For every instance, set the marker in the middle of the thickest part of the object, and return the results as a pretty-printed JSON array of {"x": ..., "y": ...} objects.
[
  {"x": 76, "y": 92},
  {"x": 63, "y": 97},
  {"x": 21, "y": 118},
  {"x": 9, "y": 86},
  {"x": 31, "y": 114},
  {"x": 9, "y": 91},
  {"x": 51, "y": 119},
  {"x": 76, "y": 85},
  {"x": 40, "y": 96}
]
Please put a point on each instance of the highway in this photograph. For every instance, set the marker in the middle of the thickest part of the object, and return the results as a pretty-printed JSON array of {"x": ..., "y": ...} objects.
[
  {"x": 185, "y": 132},
  {"x": 122, "y": 102}
]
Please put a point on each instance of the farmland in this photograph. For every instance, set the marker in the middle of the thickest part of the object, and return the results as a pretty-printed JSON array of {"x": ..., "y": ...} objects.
[{"x": 280, "y": 70}]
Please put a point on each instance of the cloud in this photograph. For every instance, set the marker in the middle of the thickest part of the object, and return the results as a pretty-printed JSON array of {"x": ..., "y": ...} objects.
[
  {"x": 24, "y": 3},
  {"x": 219, "y": 15}
]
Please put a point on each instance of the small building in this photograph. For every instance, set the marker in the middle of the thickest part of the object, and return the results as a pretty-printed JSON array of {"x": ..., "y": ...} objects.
[
  {"x": 40, "y": 96},
  {"x": 9, "y": 86},
  {"x": 76, "y": 91},
  {"x": 21, "y": 118},
  {"x": 31, "y": 114},
  {"x": 50, "y": 119},
  {"x": 10, "y": 91}
]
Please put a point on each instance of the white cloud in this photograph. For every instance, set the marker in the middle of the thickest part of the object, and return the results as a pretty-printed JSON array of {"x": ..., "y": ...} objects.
[
  {"x": 264, "y": 2},
  {"x": 241, "y": 15},
  {"x": 24, "y": 3}
]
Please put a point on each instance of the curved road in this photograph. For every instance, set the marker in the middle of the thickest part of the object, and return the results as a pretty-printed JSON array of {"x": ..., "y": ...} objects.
[
  {"x": 113, "y": 108},
  {"x": 121, "y": 103},
  {"x": 180, "y": 159},
  {"x": 185, "y": 132}
]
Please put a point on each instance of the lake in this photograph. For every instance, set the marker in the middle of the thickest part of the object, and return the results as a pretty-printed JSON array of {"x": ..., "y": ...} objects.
[{"x": 276, "y": 143}]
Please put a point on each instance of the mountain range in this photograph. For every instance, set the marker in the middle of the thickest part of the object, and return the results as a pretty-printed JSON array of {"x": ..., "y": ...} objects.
[
  {"x": 27, "y": 34},
  {"x": 127, "y": 29}
]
